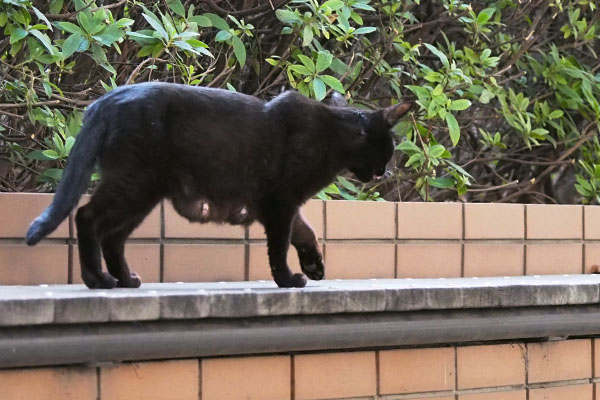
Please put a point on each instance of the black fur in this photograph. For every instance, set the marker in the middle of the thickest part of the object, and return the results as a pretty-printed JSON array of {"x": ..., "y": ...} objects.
[{"x": 218, "y": 156}]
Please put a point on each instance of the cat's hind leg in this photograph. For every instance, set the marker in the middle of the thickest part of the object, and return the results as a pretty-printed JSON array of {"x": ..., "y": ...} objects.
[
  {"x": 105, "y": 223},
  {"x": 113, "y": 250},
  {"x": 305, "y": 241},
  {"x": 89, "y": 251}
]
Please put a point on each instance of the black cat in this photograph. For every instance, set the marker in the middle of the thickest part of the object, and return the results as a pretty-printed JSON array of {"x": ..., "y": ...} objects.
[{"x": 218, "y": 156}]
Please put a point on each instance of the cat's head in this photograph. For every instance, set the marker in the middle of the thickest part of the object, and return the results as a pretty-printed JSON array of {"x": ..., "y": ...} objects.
[{"x": 370, "y": 138}]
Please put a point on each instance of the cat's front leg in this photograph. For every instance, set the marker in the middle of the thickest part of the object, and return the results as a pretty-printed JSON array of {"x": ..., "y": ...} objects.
[
  {"x": 278, "y": 226},
  {"x": 305, "y": 241}
]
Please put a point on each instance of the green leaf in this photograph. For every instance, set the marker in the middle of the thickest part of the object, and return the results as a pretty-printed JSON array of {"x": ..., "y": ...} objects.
[
  {"x": 217, "y": 21},
  {"x": 186, "y": 35},
  {"x": 177, "y": 7},
  {"x": 223, "y": 36},
  {"x": 141, "y": 35},
  {"x": 364, "y": 30},
  {"x": 485, "y": 15},
  {"x": 84, "y": 21},
  {"x": 42, "y": 17},
  {"x": 453, "y": 127},
  {"x": 319, "y": 88},
  {"x": 556, "y": 114},
  {"x": 458, "y": 168},
  {"x": 56, "y": 6},
  {"x": 52, "y": 174},
  {"x": 194, "y": 49},
  {"x": 442, "y": 183},
  {"x": 71, "y": 45},
  {"x": 239, "y": 49},
  {"x": 333, "y": 83},
  {"x": 307, "y": 36},
  {"x": 69, "y": 142},
  {"x": 307, "y": 62},
  {"x": 39, "y": 155},
  {"x": 408, "y": 147},
  {"x": 197, "y": 43},
  {"x": 324, "y": 59},
  {"x": 301, "y": 69},
  {"x": 338, "y": 66},
  {"x": 50, "y": 154},
  {"x": 459, "y": 105},
  {"x": 437, "y": 151},
  {"x": 69, "y": 27},
  {"x": 333, "y": 4},
  {"x": 287, "y": 16},
  {"x": 45, "y": 40},
  {"x": 157, "y": 26},
  {"x": 17, "y": 34},
  {"x": 438, "y": 53},
  {"x": 421, "y": 92},
  {"x": 201, "y": 20}
]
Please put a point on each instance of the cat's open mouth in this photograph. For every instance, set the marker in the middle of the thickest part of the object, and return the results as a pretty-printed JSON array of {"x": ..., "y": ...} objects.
[{"x": 367, "y": 175}]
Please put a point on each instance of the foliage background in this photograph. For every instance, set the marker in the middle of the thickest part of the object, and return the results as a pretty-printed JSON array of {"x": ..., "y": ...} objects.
[{"x": 507, "y": 91}]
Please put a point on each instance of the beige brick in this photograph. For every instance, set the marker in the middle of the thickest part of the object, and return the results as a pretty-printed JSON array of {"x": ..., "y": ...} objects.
[
  {"x": 71, "y": 383},
  {"x": 494, "y": 221},
  {"x": 576, "y": 392},
  {"x": 596, "y": 358},
  {"x": 429, "y": 220},
  {"x": 20, "y": 209},
  {"x": 592, "y": 222},
  {"x": 361, "y": 220},
  {"x": 429, "y": 260},
  {"x": 560, "y": 360},
  {"x": 312, "y": 212},
  {"x": 592, "y": 258},
  {"x": 203, "y": 262},
  {"x": 512, "y": 395},
  {"x": 260, "y": 378},
  {"x": 24, "y": 265},
  {"x": 550, "y": 221},
  {"x": 173, "y": 380},
  {"x": 416, "y": 370},
  {"x": 493, "y": 260},
  {"x": 507, "y": 361},
  {"x": 434, "y": 396},
  {"x": 554, "y": 259},
  {"x": 359, "y": 261},
  {"x": 335, "y": 375}
]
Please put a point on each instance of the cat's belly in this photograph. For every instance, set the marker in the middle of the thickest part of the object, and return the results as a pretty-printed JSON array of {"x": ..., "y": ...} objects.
[{"x": 203, "y": 210}]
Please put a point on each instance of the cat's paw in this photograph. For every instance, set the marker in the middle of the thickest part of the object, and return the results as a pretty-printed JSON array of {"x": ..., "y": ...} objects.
[
  {"x": 134, "y": 281},
  {"x": 104, "y": 281},
  {"x": 311, "y": 262},
  {"x": 296, "y": 280}
]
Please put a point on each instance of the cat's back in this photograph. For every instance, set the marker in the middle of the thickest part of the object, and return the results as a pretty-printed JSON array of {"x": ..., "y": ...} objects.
[{"x": 163, "y": 94}]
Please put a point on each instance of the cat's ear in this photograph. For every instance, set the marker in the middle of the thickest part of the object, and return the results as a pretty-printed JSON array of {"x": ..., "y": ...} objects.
[
  {"x": 338, "y": 100},
  {"x": 393, "y": 113}
]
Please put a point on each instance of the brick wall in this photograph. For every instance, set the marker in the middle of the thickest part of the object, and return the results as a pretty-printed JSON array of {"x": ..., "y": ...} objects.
[
  {"x": 556, "y": 370},
  {"x": 361, "y": 240}
]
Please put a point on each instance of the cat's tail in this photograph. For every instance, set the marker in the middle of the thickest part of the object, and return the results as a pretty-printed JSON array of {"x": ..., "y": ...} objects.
[{"x": 75, "y": 179}]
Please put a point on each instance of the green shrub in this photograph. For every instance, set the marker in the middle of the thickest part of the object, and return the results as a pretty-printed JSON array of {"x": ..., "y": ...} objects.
[{"x": 507, "y": 92}]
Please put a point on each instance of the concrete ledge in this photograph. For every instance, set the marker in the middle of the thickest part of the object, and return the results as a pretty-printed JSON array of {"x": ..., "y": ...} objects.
[
  {"x": 75, "y": 304},
  {"x": 65, "y": 324}
]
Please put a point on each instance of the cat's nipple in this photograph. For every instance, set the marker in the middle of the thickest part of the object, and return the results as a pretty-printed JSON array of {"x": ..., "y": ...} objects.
[{"x": 204, "y": 211}]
